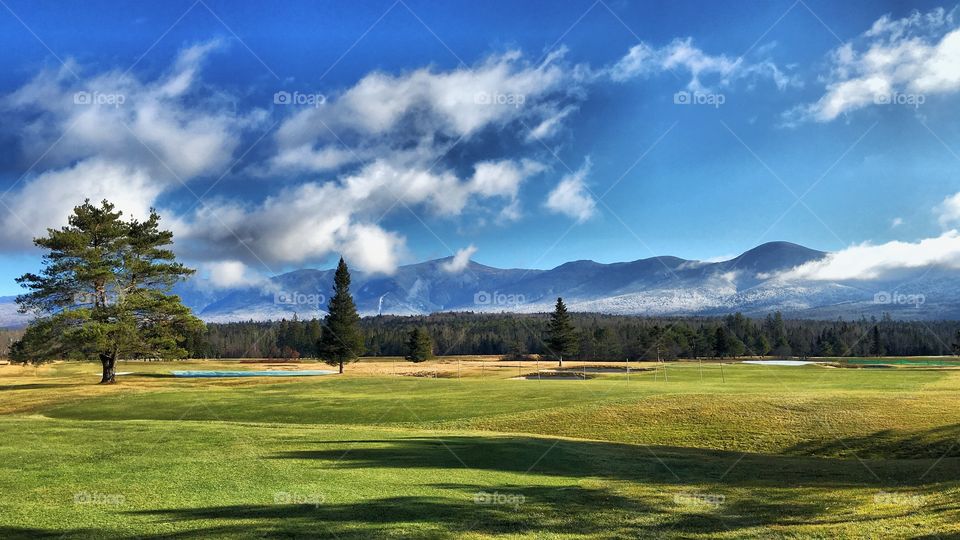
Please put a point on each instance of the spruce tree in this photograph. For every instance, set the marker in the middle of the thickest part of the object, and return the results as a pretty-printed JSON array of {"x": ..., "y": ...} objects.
[
  {"x": 103, "y": 293},
  {"x": 341, "y": 340},
  {"x": 419, "y": 346},
  {"x": 876, "y": 344},
  {"x": 721, "y": 342},
  {"x": 561, "y": 337}
]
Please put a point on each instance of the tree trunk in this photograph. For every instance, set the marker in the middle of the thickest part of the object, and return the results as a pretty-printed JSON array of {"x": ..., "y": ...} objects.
[
  {"x": 109, "y": 362},
  {"x": 341, "y": 367}
]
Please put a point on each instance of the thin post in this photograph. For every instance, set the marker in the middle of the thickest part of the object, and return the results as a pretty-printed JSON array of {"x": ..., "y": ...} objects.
[
  {"x": 628, "y": 369},
  {"x": 458, "y": 369},
  {"x": 700, "y": 367},
  {"x": 538, "y": 368},
  {"x": 722, "y": 378}
]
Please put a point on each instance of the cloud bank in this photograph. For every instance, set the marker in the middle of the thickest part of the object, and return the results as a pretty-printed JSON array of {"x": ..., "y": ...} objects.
[{"x": 895, "y": 62}]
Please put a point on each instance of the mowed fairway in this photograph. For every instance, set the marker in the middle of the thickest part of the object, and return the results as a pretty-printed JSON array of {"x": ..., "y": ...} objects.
[{"x": 758, "y": 451}]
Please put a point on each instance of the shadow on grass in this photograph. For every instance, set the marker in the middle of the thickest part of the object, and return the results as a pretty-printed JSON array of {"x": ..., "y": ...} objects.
[
  {"x": 515, "y": 509},
  {"x": 523, "y": 509},
  {"x": 651, "y": 492},
  {"x": 662, "y": 464},
  {"x": 36, "y": 386},
  {"x": 943, "y": 441}
]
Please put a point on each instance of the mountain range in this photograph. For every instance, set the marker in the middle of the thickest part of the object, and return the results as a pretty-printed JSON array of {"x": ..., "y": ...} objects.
[{"x": 665, "y": 286}]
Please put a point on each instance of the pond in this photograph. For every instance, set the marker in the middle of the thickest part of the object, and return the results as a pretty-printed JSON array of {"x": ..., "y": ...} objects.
[{"x": 276, "y": 373}]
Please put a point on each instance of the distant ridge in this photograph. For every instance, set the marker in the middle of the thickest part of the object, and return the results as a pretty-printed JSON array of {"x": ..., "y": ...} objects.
[{"x": 662, "y": 286}]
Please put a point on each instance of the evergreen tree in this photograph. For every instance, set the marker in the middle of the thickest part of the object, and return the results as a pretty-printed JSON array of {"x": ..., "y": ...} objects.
[
  {"x": 721, "y": 342},
  {"x": 341, "y": 340},
  {"x": 776, "y": 329},
  {"x": 103, "y": 293},
  {"x": 736, "y": 348},
  {"x": 763, "y": 345},
  {"x": 876, "y": 345},
  {"x": 419, "y": 345},
  {"x": 956, "y": 344},
  {"x": 561, "y": 335}
]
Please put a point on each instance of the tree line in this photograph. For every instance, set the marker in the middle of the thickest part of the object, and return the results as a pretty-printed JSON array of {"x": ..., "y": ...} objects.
[{"x": 595, "y": 337}]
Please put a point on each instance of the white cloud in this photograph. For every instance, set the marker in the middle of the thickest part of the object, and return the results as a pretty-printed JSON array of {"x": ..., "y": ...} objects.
[
  {"x": 315, "y": 219},
  {"x": 949, "y": 210},
  {"x": 502, "y": 178},
  {"x": 47, "y": 199},
  {"x": 159, "y": 125},
  {"x": 550, "y": 125},
  {"x": 571, "y": 196},
  {"x": 385, "y": 114},
  {"x": 896, "y": 60},
  {"x": 153, "y": 135},
  {"x": 896, "y": 222},
  {"x": 866, "y": 261},
  {"x": 382, "y": 139},
  {"x": 682, "y": 55},
  {"x": 113, "y": 136},
  {"x": 371, "y": 248},
  {"x": 229, "y": 273},
  {"x": 460, "y": 261}
]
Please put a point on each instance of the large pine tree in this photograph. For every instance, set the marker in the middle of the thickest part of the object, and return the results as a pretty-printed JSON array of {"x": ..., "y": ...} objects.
[
  {"x": 103, "y": 292},
  {"x": 341, "y": 340},
  {"x": 419, "y": 345},
  {"x": 561, "y": 339}
]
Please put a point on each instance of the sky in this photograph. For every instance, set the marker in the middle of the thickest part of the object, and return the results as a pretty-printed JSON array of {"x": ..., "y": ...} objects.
[{"x": 272, "y": 137}]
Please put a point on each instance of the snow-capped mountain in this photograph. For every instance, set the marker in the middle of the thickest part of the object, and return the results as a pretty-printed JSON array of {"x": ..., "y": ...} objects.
[{"x": 750, "y": 283}]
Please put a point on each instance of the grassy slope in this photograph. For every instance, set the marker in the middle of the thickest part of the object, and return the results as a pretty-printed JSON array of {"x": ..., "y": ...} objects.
[{"x": 788, "y": 451}]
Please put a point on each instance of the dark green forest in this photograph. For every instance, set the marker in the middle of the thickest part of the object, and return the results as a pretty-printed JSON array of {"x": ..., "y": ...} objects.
[{"x": 600, "y": 337}]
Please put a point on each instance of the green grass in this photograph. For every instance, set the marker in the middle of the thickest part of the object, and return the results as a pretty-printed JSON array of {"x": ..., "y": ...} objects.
[{"x": 761, "y": 452}]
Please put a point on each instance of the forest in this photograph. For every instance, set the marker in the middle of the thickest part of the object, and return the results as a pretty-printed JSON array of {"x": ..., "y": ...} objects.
[{"x": 601, "y": 337}]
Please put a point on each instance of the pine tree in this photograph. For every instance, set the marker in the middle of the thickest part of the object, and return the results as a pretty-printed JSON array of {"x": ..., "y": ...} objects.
[
  {"x": 763, "y": 346},
  {"x": 561, "y": 335},
  {"x": 775, "y": 327},
  {"x": 721, "y": 342},
  {"x": 104, "y": 293},
  {"x": 419, "y": 345},
  {"x": 341, "y": 340},
  {"x": 956, "y": 344},
  {"x": 876, "y": 345}
]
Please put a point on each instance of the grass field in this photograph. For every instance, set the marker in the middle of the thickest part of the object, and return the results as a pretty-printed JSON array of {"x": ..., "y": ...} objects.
[{"x": 462, "y": 449}]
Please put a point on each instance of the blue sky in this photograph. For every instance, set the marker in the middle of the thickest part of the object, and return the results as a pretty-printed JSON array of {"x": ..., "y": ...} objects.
[{"x": 520, "y": 135}]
